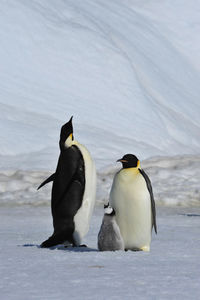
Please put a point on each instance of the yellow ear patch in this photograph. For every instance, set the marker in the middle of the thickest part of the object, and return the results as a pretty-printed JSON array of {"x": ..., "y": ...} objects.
[
  {"x": 69, "y": 141},
  {"x": 138, "y": 164}
]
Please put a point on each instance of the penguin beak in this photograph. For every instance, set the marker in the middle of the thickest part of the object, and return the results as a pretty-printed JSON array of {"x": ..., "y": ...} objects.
[{"x": 122, "y": 160}]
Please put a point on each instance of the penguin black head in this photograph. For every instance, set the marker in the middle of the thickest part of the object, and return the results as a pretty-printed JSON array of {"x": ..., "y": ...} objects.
[
  {"x": 65, "y": 133},
  {"x": 129, "y": 161},
  {"x": 108, "y": 210}
]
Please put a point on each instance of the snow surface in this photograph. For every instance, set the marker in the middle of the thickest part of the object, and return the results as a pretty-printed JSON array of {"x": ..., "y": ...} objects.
[{"x": 170, "y": 271}]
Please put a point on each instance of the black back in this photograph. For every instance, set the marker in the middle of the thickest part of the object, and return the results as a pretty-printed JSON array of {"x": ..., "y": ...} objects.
[
  {"x": 153, "y": 206},
  {"x": 68, "y": 185}
]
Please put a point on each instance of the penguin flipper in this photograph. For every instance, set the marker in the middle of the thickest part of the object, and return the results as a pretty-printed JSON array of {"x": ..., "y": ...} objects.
[
  {"x": 153, "y": 206},
  {"x": 49, "y": 179}
]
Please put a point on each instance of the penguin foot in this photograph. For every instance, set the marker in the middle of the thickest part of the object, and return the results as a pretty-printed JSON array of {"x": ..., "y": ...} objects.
[
  {"x": 46, "y": 244},
  {"x": 68, "y": 246},
  {"x": 82, "y": 246},
  {"x": 145, "y": 248},
  {"x": 52, "y": 241},
  {"x": 136, "y": 249}
]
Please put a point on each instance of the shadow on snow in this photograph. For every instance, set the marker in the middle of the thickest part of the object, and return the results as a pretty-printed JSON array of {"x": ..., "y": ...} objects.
[{"x": 63, "y": 248}]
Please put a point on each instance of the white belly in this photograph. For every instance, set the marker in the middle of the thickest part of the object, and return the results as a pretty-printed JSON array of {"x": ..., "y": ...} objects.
[
  {"x": 131, "y": 200},
  {"x": 83, "y": 216}
]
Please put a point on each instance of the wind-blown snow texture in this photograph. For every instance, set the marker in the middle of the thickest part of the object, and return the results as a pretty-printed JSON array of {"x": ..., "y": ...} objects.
[{"x": 127, "y": 70}]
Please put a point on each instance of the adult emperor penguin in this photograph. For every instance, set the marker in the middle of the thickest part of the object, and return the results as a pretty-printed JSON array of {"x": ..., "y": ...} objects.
[
  {"x": 73, "y": 191},
  {"x": 109, "y": 237},
  {"x": 132, "y": 198}
]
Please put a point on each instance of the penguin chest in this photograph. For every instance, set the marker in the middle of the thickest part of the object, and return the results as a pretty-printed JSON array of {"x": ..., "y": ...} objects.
[
  {"x": 83, "y": 215},
  {"x": 131, "y": 200}
]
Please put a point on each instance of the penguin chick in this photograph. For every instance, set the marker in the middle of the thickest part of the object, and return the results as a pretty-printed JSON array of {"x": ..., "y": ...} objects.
[
  {"x": 132, "y": 198},
  {"x": 109, "y": 237}
]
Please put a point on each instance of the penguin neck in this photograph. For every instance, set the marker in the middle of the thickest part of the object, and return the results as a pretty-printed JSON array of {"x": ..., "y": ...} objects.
[
  {"x": 70, "y": 142},
  {"x": 130, "y": 171},
  {"x": 108, "y": 218}
]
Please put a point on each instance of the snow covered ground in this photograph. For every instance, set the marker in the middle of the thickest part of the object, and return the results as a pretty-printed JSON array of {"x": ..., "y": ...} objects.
[{"x": 170, "y": 271}]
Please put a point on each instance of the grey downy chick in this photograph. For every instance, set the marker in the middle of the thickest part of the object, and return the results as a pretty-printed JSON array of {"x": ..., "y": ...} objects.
[{"x": 109, "y": 237}]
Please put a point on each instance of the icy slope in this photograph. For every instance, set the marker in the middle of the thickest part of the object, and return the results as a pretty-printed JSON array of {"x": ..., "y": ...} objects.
[{"x": 121, "y": 68}]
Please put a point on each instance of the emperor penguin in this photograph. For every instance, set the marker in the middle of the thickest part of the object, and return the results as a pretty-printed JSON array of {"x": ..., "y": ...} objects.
[
  {"x": 73, "y": 191},
  {"x": 109, "y": 237},
  {"x": 132, "y": 198}
]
